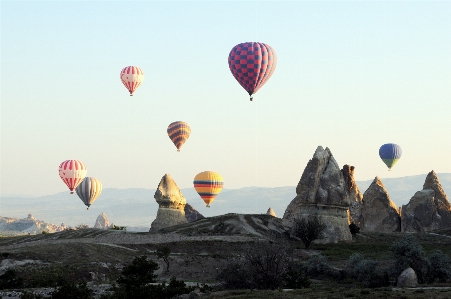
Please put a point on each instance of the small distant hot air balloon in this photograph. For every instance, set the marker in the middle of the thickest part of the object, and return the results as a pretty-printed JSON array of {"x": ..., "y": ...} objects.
[
  {"x": 88, "y": 191},
  {"x": 72, "y": 172},
  {"x": 252, "y": 64},
  {"x": 390, "y": 153},
  {"x": 132, "y": 77},
  {"x": 208, "y": 184},
  {"x": 179, "y": 132}
]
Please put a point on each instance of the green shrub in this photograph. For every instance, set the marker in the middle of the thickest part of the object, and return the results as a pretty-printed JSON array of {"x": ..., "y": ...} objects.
[
  {"x": 72, "y": 290},
  {"x": 9, "y": 280},
  {"x": 294, "y": 278},
  {"x": 407, "y": 252},
  {"x": 317, "y": 266},
  {"x": 30, "y": 295},
  {"x": 440, "y": 266}
]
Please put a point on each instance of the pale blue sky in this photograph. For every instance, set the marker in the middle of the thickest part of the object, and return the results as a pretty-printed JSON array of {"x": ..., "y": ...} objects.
[{"x": 351, "y": 76}]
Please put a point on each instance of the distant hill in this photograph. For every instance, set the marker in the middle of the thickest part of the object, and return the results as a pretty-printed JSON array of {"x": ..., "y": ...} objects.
[{"x": 137, "y": 207}]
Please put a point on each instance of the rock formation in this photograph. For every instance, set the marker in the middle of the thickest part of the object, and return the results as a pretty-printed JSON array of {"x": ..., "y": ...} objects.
[
  {"x": 29, "y": 225},
  {"x": 171, "y": 203},
  {"x": 271, "y": 212},
  {"x": 428, "y": 209},
  {"x": 379, "y": 212},
  {"x": 102, "y": 222},
  {"x": 323, "y": 190},
  {"x": 191, "y": 214},
  {"x": 407, "y": 278},
  {"x": 355, "y": 206}
]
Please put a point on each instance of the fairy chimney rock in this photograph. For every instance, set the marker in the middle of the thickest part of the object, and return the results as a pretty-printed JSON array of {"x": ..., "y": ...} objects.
[
  {"x": 168, "y": 194},
  {"x": 428, "y": 209},
  {"x": 379, "y": 212},
  {"x": 171, "y": 204},
  {"x": 271, "y": 212},
  {"x": 102, "y": 222},
  {"x": 323, "y": 190}
]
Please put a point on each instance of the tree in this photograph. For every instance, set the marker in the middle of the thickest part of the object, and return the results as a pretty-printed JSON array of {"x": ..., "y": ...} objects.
[
  {"x": 262, "y": 266},
  {"x": 354, "y": 228},
  {"x": 137, "y": 275},
  {"x": 308, "y": 229},
  {"x": 163, "y": 252}
]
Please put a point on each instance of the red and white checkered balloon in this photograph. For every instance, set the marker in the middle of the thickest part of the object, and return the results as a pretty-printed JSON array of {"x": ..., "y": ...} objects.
[{"x": 252, "y": 64}]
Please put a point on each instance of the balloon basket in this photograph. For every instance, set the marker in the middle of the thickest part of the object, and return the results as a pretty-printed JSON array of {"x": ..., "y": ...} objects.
[
  {"x": 251, "y": 99},
  {"x": 208, "y": 206},
  {"x": 87, "y": 208},
  {"x": 178, "y": 150},
  {"x": 72, "y": 192}
]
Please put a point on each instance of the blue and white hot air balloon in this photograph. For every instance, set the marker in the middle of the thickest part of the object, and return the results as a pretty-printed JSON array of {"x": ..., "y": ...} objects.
[{"x": 390, "y": 153}]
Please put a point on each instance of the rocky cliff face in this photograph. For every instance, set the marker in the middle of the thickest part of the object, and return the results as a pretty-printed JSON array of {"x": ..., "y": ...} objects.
[
  {"x": 191, "y": 214},
  {"x": 102, "y": 222},
  {"x": 171, "y": 204},
  {"x": 379, "y": 212},
  {"x": 428, "y": 209},
  {"x": 323, "y": 190}
]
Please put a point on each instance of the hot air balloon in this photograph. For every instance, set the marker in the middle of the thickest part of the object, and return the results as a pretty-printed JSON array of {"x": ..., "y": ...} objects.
[
  {"x": 72, "y": 172},
  {"x": 208, "y": 184},
  {"x": 252, "y": 64},
  {"x": 179, "y": 132},
  {"x": 132, "y": 77},
  {"x": 390, "y": 153},
  {"x": 88, "y": 191}
]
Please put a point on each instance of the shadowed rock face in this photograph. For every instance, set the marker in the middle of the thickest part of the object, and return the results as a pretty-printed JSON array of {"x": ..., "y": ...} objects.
[
  {"x": 191, "y": 214},
  {"x": 323, "y": 190},
  {"x": 356, "y": 204},
  {"x": 379, "y": 212},
  {"x": 171, "y": 204},
  {"x": 428, "y": 209}
]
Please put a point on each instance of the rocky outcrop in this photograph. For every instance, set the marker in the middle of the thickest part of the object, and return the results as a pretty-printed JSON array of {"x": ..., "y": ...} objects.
[
  {"x": 407, "y": 278},
  {"x": 428, "y": 209},
  {"x": 323, "y": 190},
  {"x": 355, "y": 205},
  {"x": 102, "y": 222},
  {"x": 271, "y": 212},
  {"x": 379, "y": 212},
  {"x": 171, "y": 204},
  {"x": 191, "y": 214},
  {"x": 29, "y": 225}
]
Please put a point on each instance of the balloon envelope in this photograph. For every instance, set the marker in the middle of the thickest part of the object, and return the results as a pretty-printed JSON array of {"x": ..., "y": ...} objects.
[
  {"x": 208, "y": 185},
  {"x": 88, "y": 190},
  {"x": 390, "y": 153},
  {"x": 132, "y": 77},
  {"x": 72, "y": 172},
  {"x": 179, "y": 132},
  {"x": 252, "y": 64}
]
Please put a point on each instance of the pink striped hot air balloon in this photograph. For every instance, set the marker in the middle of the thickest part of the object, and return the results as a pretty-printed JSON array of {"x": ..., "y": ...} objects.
[
  {"x": 72, "y": 172},
  {"x": 132, "y": 77}
]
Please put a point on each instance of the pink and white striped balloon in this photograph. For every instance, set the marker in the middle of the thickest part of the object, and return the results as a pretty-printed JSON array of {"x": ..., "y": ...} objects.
[
  {"x": 132, "y": 77},
  {"x": 72, "y": 172}
]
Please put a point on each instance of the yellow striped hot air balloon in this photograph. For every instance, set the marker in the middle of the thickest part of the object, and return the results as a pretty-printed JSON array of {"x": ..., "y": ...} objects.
[
  {"x": 179, "y": 132},
  {"x": 208, "y": 184}
]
